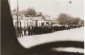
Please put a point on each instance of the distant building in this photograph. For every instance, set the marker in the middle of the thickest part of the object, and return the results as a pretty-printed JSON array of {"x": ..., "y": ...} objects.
[{"x": 35, "y": 21}]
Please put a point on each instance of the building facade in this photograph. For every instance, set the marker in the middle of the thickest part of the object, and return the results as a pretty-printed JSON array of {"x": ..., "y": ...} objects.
[{"x": 34, "y": 21}]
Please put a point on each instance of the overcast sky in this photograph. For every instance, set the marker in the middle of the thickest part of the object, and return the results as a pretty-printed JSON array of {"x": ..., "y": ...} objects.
[{"x": 52, "y": 7}]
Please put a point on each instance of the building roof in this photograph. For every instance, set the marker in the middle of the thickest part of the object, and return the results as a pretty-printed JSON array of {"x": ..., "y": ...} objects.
[
  {"x": 34, "y": 18},
  {"x": 15, "y": 17},
  {"x": 28, "y": 18},
  {"x": 48, "y": 18},
  {"x": 41, "y": 18}
]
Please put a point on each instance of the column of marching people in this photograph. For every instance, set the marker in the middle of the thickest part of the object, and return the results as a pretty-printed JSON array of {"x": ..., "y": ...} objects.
[
  {"x": 24, "y": 31},
  {"x": 31, "y": 30}
]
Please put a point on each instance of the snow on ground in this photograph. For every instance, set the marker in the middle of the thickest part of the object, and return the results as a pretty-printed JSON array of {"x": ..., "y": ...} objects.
[{"x": 72, "y": 34}]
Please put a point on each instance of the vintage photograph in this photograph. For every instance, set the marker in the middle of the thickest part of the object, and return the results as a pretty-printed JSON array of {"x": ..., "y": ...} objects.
[{"x": 42, "y": 27}]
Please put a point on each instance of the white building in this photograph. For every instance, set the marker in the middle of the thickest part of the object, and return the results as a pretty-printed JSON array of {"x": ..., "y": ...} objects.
[{"x": 35, "y": 21}]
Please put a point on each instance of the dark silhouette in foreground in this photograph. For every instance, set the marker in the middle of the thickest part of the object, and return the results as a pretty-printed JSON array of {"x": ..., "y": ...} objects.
[{"x": 11, "y": 46}]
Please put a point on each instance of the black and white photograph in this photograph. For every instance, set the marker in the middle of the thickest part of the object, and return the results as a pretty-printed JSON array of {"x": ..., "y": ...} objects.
[{"x": 42, "y": 27}]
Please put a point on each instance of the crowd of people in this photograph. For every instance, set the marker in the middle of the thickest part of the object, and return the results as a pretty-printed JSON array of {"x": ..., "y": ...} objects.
[{"x": 31, "y": 30}]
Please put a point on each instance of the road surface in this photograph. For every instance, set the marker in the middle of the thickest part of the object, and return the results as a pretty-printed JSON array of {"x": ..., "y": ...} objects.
[{"x": 65, "y": 35}]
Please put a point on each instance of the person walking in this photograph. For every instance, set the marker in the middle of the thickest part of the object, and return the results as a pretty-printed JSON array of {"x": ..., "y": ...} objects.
[
  {"x": 20, "y": 31},
  {"x": 30, "y": 28},
  {"x": 25, "y": 30}
]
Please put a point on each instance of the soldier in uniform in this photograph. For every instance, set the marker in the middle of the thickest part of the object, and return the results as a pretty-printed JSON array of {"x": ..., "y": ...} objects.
[
  {"x": 30, "y": 30},
  {"x": 20, "y": 31},
  {"x": 17, "y": 31},
  {"x": 25, "y": 30},
  {"x": 21, "y": 34}
]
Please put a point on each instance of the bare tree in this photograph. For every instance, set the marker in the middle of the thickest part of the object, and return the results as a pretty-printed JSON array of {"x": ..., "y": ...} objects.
[
  {"x": 63, "y": 18},
  {"x": 76, "y": 21},
  {"x": 30, "y": 12}
]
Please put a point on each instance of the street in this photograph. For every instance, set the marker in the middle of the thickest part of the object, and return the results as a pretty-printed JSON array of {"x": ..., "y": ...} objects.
[{"x": 76, "y": 34}]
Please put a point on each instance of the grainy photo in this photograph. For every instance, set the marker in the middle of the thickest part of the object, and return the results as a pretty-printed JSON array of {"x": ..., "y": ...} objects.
[{"x": 42, "y": 27}]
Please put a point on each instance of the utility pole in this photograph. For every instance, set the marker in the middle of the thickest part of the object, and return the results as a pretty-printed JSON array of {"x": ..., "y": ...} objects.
[
  {"x": 17, "y": 20},
  {"x": 17, "y": 13}
]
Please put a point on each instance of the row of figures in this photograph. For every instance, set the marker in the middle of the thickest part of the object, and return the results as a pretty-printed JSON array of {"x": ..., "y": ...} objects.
[
  {"x": 30, "y": 30},
  {"x": 20, "y": 31}
]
